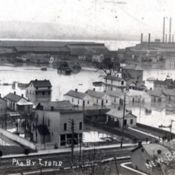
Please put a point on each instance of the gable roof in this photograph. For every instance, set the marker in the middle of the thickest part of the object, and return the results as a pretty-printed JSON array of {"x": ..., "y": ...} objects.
[
  {"x": 56, "y": 105},
  {"x": 116, "y": 93},
  {"x": 132, "y": 67},
  {"x": 40, "y": 83},
  {"x": 119, "y": 113},
  {"x": 13, "y": 97},
  {"x": 95, "y": 94},
  {"x": 75, "y": 94}
]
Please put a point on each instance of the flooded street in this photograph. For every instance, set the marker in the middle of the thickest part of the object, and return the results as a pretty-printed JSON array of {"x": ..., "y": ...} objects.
[
  {"x": 60, "y": 83},
  {"x": 82, "y": 81}
]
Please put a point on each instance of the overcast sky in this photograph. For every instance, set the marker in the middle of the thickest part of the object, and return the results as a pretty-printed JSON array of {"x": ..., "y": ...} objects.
[{"x": 100, "y": 19}]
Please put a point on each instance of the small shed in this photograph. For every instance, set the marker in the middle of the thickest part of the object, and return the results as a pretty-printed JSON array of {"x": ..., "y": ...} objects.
[{"x": 116, "y": 115}]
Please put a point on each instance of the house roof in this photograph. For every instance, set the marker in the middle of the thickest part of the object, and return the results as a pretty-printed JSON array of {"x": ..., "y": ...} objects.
[
  {"x": 24, "y": 102},
  {"x": 76, "y": 94},
  {"x": 55, "y": 105},
  {"x": 95, "y": 94},
  {"x": 133, "y": 67},
  {"x": 116, "y": 93},
  {"x": 113, "y": 78},
  {"x": 40, "y": 83},
  {"x": 42, "y": 49},
  {"x": 13, "y": 97},
  {"x": 119, "y": 113}
]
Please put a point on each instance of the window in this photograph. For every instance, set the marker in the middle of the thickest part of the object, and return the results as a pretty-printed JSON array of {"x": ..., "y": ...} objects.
[
  {"x": 65, "y": 126},
  {"x": 122, "y": 82},
  {"x": 78, "y": 101},
  {"x": 88, "y": 102},
  {"x": 106, "y": 101},
  {"x": 72, "y": 100},
  {"x": 97, "y": 100},
  {"x": 131, "y": 121},
  {"x": 43, "y": 93},
  {"x": 63, "y": 140},
  {"x": 80, "y": 126}
]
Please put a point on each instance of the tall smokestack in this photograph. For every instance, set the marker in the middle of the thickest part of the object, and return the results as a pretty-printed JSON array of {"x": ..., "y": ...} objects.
[
  {"x": 149, "y": 38},
  {"x": 166, "y": 37},
  {"x": 163, "y": 37},
  {"x": 141, "y": 38},
  {"x": 170, "y": 30},
  {"x": 172, "y": 38}
]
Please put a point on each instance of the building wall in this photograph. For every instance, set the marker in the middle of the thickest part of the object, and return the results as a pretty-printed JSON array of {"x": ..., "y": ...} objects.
[
  {"x": 118, "y": 83},
  {"x": 10, "y": 104},
  {"x": 104, "y": 101},
  {"x": 44, "y": 94},
  {"x": 55, "y": 123},
  {"x": 115, "y": 100},
  {"x": 79, "y": 102},
  {"x": 132, "y": 74},
  {"x": 128, "y": 119},
  {"x": 156, "y": 99},
  {"x": 3, "y": 108}
]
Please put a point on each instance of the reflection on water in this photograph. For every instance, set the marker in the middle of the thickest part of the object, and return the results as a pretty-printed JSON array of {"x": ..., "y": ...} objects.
[
  {"x": 61, "y": 83},
  {"x": 82, "y": 81}
]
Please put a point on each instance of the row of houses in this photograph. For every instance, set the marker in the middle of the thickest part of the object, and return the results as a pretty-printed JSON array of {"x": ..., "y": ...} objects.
[
  {"x": 105, "y": 98},
  {"x": 162, "y": 95}
]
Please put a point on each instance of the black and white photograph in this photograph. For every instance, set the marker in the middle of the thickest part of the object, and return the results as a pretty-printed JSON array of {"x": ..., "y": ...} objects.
[{"x": 87, "y": 87}]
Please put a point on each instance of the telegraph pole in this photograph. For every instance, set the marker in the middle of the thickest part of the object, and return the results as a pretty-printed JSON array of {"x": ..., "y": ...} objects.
[
  {"x": 72, "y": 140},
  {"x": 124, "y": 105}
]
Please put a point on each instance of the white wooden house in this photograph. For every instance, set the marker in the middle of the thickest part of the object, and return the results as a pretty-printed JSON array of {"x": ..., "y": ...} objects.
[
  {"x": 99, "y": 98},
  {"x": 78, "y": 99}
]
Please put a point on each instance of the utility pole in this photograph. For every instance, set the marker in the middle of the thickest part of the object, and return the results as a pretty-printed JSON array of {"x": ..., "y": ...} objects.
[
  {"x": 169, "y": 126},
  {"x": 124, "y": 105},
  {"x": 72, "y": 140}
]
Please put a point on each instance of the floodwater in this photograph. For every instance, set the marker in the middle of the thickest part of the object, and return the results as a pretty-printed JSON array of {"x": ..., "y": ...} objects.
[
  {"x": 60, "y": 83},
  {"x": 82, "y": 81}
]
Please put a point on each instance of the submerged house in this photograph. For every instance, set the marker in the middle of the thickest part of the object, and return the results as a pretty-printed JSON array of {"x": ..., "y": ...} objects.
[
  {"x": 115, "y": 116},
  {"x": 114, "y": 82},
  {"x": 18, "y": 103},
  {"x": 39, "y": 91},
  {"x": 78, "y": 99},
  {"x": 157, "y": 95},
  {"x": 98, "y": 98}
]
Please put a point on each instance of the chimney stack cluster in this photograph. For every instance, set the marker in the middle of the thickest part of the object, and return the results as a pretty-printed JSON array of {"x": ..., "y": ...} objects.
[{"x": 167, "y": 37}]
